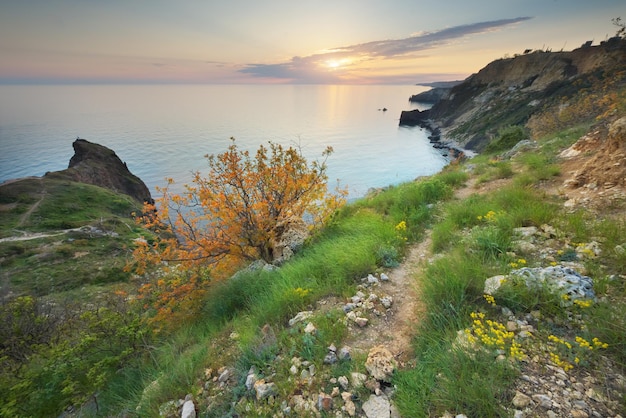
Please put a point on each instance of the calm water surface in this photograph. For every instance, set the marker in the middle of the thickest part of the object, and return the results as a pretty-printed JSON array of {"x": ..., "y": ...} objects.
[{"x": 165, "y": 131}]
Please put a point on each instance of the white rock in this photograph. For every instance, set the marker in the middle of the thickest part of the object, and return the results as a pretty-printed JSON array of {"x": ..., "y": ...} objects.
[
  {"x": 300, "y": 316},
  {"x": 543, "y": 400},
  {"x": 189, "y": 410},
  {"x": 377, "y": 407},
  {"x": 372, "y": 279},
  {"x": 380, "y": 363},
  {"x": 310, "y": 328},
  {"x": 251, "y": 380},
  {"x": 264, "y": 390},
  {"x": 520, "y": 400},
  {"x": 492, "y": 284},
  {"x": 362, "y": 322},
  {"x": 358, "y": 379},
  {"x": 386, "y": 301},
  {"x": 384, "y": 277}
]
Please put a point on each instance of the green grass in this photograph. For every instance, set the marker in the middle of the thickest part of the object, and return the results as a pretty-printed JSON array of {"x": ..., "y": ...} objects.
[{"x": 242, "y": 321}]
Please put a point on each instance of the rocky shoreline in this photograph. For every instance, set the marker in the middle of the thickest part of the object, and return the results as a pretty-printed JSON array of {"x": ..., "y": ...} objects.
[{"x": 436, "y": 137}]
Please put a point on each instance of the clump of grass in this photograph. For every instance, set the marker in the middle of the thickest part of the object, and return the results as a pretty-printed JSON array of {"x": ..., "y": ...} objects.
[{"x": 507, "y": 138}]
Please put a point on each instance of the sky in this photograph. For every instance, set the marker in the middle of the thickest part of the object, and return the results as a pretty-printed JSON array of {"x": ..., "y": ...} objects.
[{"x": 284, "y": 41}]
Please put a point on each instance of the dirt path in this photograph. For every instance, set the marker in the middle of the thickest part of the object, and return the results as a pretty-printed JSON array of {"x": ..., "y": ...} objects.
[
  {"x": 396, "y": 329},
  {"x": 34, "y": 207}
]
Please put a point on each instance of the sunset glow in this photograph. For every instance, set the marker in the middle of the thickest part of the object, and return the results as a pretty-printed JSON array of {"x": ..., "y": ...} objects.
[{"x": 280, "y": 41}]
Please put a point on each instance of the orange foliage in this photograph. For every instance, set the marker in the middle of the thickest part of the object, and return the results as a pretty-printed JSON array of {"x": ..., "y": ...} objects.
[{"x": 230, "y": 216}]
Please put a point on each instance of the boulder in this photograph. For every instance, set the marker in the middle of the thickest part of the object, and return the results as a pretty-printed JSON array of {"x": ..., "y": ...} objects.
[
  {"x": 377, "y": 407},
  {"x": 189, "y": 410},
  {"x": 380, "y": 363},
  {"x": 289, "y": 235},
  {"x": 98, "y": 165}
]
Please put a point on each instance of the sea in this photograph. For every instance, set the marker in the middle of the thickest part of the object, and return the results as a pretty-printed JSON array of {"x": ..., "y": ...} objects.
[{"x": 165, "y": 131}]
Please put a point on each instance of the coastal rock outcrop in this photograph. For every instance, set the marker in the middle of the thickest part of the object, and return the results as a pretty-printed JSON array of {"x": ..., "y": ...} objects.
[
  {"x": 509, "y": 90},
  {"x": 98, "y": 165}
]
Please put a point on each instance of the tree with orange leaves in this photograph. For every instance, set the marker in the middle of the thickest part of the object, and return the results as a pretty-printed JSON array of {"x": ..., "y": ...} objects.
[{"x": 231, "y": 215}]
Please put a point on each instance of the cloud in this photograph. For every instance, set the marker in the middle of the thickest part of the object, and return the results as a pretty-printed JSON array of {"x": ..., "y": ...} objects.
[{"x": 319, "y": 67}]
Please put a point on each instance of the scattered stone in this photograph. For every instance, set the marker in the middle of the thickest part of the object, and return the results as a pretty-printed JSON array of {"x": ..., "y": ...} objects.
[
  {"x": 492, "y": 284},
  {"x": 384, "y": 277},
  {"x": 310, "y": 328},
  {"x": 362, "y": 322},
  {"x": 386, "y": 301},
  {"x": 303, "y": 406},
  {"x": 264, "y": 390},
  {"x": 300, "y": 316},
  {"x": 357, "y": 379},
  {"x": 380, "y": 363},
  {"x": 324, "y": 402},
  {"x": 520, "y": 400},
  {"x": 251, "y": 380},
  {"x": 372, "y": 279},
  {"x": 349, "y": 307},
  {"x": 189, "y": 410},
  {"x": 377, "y": 407},
  {"x": 544, "y": 401},
  {"x": 526, "y": 231},
  {"x": 345, "y": 353},
  {"x": 224, "y": 375},
  {"x": 330, "y": 358},
  {"x": 169, "y": 409},
  {"x": 373, "y": 385},
  {"x": 343, "y": 382},
  {"x": 348, "y": 405},
  {"x": 562, "y": 281}
]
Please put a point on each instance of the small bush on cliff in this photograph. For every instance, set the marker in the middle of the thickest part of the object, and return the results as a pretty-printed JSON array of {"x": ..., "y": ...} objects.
[
  {"x": 234, "y": 214},
  {"x": 507, "y": 138}
]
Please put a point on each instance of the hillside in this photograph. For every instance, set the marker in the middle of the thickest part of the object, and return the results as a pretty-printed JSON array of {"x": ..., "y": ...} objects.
[
  {"x": 508, "y": 91},
  {"x": 494, "y": 288}
]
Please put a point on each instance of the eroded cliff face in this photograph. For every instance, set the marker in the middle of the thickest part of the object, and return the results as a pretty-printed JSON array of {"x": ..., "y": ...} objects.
[
  {"x": 98, "y": 165},
  {"x": 509, "y": 91}
]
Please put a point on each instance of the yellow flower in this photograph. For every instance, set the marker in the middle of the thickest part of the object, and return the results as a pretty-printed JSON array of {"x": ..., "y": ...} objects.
[{"x": 401, "y": 227}]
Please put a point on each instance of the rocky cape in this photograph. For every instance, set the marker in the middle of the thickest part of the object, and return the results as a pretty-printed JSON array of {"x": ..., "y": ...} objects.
[
  {"x": 508, "y": 91},
  {"x": 98, "y": 165}
]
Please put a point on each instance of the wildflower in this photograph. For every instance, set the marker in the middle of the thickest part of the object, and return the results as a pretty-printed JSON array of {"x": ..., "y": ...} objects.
[
  {"x": 490, "y": 299},
  {"x": 401, "y": 227},
  {"x": 583, "y": 303}
]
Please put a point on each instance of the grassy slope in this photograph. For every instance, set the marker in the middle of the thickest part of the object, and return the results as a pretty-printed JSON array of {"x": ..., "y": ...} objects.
[
  {"x": 362, "y": 239},
  {"x": 359, "y": 242},
  {"x": 62, "y": 260}
]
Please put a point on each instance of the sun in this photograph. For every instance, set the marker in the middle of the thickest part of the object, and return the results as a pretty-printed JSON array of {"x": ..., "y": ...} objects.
[{"x": 333, "y": 64}]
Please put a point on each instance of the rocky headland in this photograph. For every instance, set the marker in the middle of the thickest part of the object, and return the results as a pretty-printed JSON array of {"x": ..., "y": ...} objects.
[
  {"x": 98, "y": 165},
  {"x": 508, "y": 91}
]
